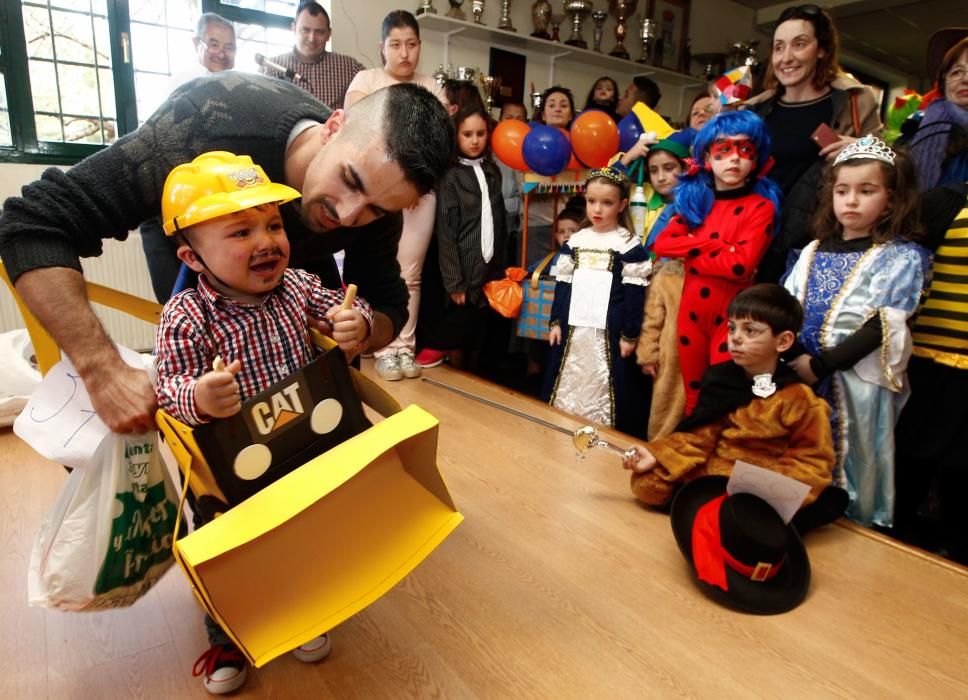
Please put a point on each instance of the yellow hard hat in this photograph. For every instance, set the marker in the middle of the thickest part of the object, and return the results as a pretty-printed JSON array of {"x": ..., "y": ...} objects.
[{"x": 215, "y": 184}]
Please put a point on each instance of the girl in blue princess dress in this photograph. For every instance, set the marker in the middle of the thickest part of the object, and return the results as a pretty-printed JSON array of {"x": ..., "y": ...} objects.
[
  {"x": 859, "y": 283},
  {"x": 597, "y": 311}
]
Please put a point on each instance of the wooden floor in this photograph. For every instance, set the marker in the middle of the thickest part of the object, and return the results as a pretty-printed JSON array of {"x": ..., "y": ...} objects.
[{"x": 557, "y": 585}]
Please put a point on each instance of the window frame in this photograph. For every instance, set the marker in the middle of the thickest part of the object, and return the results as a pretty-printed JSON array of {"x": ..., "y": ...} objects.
[{"x": 14, "y": 68}]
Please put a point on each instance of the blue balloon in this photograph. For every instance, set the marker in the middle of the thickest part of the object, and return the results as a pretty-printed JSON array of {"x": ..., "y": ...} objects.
[
  {"x": 629, "y": 130},
  {"x": 546, "y": 149}
]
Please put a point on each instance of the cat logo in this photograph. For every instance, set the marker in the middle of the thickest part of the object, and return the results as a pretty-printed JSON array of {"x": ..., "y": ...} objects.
[{"x": 280, "y": 409}]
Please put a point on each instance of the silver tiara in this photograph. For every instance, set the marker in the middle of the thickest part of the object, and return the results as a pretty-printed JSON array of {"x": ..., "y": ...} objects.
[{"x": 867, "y": 147}]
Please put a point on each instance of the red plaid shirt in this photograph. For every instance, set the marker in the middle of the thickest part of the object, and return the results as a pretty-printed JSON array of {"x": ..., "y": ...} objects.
[
  {"x": 326, "y": 79},
  {"x": 271, "y": 339}
]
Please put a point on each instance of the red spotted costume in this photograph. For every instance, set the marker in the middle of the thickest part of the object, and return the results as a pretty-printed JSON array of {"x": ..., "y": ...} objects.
[{"x": 720, "y": 258}]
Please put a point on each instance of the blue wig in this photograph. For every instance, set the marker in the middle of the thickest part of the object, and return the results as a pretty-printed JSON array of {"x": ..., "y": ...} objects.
[{"x": 694, "y": 195}]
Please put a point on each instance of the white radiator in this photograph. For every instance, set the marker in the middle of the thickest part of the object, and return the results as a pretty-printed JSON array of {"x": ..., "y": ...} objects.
[{"x": 122, "y": 266}]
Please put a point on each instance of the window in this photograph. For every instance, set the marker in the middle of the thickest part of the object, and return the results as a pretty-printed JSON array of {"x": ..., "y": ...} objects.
[{"x": 75, "y": 75}]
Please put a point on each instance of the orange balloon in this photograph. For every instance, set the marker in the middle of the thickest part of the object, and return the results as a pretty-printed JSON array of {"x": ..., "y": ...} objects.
[
  {"x": 594, "y": 138},
  {"x": 507, "y": 141}
]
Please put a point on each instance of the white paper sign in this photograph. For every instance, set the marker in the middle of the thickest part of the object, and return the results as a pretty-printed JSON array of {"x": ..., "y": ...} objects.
[
  {"x": 783, "y": 493},
  {"x": 59, "y": 420},
  {"x": 590, "y": 290}
]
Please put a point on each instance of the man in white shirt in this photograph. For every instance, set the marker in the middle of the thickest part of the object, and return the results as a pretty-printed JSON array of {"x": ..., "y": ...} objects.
[{"x": 215, "y": 49}]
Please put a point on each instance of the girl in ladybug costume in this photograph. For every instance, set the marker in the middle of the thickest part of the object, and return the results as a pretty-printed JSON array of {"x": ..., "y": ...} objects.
[{"x": 727, "y": 209}]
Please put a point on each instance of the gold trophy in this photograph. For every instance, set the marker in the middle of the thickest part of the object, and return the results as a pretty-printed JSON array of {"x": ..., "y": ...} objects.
[
  {"x": 541, "y": 16},
  {"x": 621, "y": 9},
  {"x": 477, "y": 9},
  {"x": 491, "y": 85},
  {"x": 455, "y": 10},
  {"x": 505, "y": 21}
]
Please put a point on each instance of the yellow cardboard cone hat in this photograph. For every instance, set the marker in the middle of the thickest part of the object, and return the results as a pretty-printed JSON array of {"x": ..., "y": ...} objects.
[{"x": 213, "y": 185}]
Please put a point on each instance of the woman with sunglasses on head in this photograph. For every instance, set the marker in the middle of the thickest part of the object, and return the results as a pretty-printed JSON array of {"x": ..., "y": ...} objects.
[{"x": 807, "y": 90}]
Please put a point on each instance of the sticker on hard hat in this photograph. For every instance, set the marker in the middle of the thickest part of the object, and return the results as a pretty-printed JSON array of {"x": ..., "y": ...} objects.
[{"x": 247, "y": 177}]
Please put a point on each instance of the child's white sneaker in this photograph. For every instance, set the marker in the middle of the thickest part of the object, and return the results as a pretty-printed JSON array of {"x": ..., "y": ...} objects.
[
  {"x": 388, "y": 367},
  {"x": 410, "y": 369},
  {"x": 314, "y": 650},
  {"x": 223, "y": 669}
]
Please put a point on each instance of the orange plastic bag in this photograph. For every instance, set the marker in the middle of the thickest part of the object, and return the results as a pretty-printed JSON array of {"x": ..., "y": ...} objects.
[{"x": 506, "y": 296}]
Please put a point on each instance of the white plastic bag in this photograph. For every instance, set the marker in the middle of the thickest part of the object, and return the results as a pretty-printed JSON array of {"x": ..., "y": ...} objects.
[
  {"x": 18, "y": 374},
  {"x": 107, "y": 539}
]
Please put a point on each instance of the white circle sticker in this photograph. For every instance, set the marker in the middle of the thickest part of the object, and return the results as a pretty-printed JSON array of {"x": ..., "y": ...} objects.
[
  {"x": 252, "y": 462},
  {"x": 326, "y": 416}
]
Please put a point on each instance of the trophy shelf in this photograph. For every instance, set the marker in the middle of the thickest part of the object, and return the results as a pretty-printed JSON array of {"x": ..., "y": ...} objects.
[{"x": 555, "y": 51}]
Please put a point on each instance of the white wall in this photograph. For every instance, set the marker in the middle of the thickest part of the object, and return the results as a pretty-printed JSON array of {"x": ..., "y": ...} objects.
[
  {"x": 122, "y": 266},
  {"x": 714, "y": 25}
]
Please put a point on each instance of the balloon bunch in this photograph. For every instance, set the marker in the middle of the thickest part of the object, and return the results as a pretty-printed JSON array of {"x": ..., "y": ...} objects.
[
  {"x": 547, "y": 150},
  {"x": 593, "y": 140}
]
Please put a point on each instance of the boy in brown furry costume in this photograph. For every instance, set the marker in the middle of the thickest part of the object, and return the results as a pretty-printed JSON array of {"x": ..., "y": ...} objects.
[{"x": 752, "y": 408}]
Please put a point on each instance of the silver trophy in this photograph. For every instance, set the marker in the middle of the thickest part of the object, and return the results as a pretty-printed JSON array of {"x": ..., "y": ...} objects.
[
  {"x": 535, "y": 102},
  {"x": 466, "y": 73},
  {"x": 578, "y": 10},
  {"x": 455, "y": 10},
  {"x": 647, "y": 36},
  {"x": 426, "y": 8},
  {"x": 477, "y": 9},
  {"x": 505, "y": 21},
  {"x": 586, "y": 437},
  {"x": 599, "y": 17},
  {"x": 440, "y": 75},
  {"x": 491, "y": 85},
  {"x": 621, "y": 9}
]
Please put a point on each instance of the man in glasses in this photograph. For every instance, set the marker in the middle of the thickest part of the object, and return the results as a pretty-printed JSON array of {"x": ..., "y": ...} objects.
[{"x": 215, "y": 48}]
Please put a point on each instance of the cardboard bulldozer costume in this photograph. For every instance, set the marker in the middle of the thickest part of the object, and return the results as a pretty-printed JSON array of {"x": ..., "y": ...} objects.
[
  {"x": 323, "y": 541},
  {"x": 333, "y": 531}
]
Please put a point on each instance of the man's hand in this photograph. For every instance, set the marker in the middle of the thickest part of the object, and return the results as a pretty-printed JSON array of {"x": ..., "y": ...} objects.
[
  {"x": 639, "y": 460},
  {"x": 122, "y": 397},
  {"x": 626, "y": 347},
  {"x": 651, "y": 369},
  {"x": 217, "y": 392},
  {"x": 459, "y": 298},
  {"x": 554, "y": 336}
]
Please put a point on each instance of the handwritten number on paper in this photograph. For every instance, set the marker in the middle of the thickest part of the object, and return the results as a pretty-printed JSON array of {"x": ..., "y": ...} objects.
[{"x": 33, "y": 409}]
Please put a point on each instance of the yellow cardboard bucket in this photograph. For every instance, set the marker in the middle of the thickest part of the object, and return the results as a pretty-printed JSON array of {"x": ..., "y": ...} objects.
[{"x": 323, "y": 542}]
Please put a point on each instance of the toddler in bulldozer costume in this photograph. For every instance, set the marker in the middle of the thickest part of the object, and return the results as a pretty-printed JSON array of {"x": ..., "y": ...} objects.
[{"x": 249, "y": 308}]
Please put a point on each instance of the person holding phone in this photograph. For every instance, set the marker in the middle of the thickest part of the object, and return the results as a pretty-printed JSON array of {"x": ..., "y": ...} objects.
[{"x": 812, "y": 109}]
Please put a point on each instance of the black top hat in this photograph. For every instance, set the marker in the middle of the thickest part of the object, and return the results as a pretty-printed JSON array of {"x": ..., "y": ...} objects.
[{"x": 745, "y": 556}]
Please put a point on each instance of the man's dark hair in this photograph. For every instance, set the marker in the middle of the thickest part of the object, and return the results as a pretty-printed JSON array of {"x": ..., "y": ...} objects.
[
  {"x": 313, "y": 8},
  {"x": 649, "y": 92},
  {"x": 770, "y": 304},
  {"x": 419, "y": 134}
]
